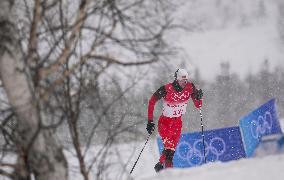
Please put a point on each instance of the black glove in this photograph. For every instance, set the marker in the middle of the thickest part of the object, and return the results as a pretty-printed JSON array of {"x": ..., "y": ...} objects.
[
  {"x": 150, "y": 127},
  {"x": 198, "y": 94}
]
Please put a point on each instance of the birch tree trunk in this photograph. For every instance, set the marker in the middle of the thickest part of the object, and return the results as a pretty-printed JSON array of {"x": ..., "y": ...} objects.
[{"x": 38, "y": 152}]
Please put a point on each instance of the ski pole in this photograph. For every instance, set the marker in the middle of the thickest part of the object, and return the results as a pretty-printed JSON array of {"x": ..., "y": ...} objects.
[
  {"x": 140, "y": 153},
  {"x": 200, "y": 112}
]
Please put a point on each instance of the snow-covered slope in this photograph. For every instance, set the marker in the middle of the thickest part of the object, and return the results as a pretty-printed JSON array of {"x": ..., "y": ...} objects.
[
  {"x": 267, "y": 168},
  {"x": 262, "y": 168}
]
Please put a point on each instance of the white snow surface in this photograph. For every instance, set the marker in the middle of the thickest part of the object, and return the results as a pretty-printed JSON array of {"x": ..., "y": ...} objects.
[
  {"x": 259, "y": 168},
  {"x": 270, "y": 167},
  {"x": 265, "y": 168}
]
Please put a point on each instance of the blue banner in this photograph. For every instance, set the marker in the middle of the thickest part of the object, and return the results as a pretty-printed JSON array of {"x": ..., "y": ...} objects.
[
  {"x": 260, "y": 122},
  {"x": 221, "y": 145}
]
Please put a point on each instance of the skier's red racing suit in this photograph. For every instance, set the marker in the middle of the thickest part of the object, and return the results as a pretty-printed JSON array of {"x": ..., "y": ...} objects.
[{"x": 175, "y": 100}]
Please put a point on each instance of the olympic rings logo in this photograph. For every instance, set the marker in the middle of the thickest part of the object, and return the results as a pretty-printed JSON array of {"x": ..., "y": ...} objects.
[
  {"x": 262, "y": 125},
  {"x": 193, "y": 154}
]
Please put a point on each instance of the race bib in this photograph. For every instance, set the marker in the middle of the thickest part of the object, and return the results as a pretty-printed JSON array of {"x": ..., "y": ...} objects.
[{"x": 174, "y": 110}]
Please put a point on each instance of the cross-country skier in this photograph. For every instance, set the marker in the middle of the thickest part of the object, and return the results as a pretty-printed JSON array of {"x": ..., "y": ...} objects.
[{"x": 175, "y": 98}]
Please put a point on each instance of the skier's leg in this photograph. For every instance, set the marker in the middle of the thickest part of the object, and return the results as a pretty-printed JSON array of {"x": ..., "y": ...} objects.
[
  {"x": 169, "y": 130},
  {"x": 162, "y": 128},
  {"x": 172, "y": 143},
  {"x": 169, "y": 158},
  {"x": 177, "y": 132},
  {"x": 162, "y": 157}
]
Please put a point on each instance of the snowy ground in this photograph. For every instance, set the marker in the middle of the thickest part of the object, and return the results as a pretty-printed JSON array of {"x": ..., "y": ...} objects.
[
  {"x": 270, "y": 167},
  {"x": 261, "y": 168},
  {"x": 264, "y": 168},
  {"x": 253, "y": 169}
]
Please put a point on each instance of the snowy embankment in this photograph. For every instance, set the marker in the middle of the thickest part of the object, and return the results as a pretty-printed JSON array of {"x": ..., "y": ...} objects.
[
  {"x": 264, "y": 168},
  {"x": 260, "y": 168},
  {"x": 269, "y": 167}
]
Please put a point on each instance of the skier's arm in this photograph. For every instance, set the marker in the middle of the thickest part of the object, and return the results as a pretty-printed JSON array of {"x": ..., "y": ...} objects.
[
  {"x": 161, "y": 92},
  {"x": 196, "y": 97}
]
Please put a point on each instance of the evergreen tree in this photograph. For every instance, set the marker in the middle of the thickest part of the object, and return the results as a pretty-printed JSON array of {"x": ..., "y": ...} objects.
[{"x": 227, "y": 94}]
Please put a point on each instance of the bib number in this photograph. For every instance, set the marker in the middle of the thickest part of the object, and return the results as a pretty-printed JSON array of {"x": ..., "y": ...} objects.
[{"x": 174, "y": 110}]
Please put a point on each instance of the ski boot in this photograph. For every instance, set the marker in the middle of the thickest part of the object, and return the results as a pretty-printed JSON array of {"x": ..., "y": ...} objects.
[{"x": 158, "y": 167}]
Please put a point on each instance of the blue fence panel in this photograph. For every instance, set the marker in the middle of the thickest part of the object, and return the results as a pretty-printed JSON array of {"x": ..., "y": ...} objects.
[
  {"x": 221, "y": 145},
  {"x": 260, "y": 122}
]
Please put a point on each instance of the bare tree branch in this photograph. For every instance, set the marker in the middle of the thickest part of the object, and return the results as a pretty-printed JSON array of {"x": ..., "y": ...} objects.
[
  {"x": 70, "y": 42},
  {"x": 32, "y": 47},
  {"x": 31, "y": 142},
  {"x": 120, "y": 62},
  {"x": 4, "y": 173},
  {"x": 70, "y": 46}
]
